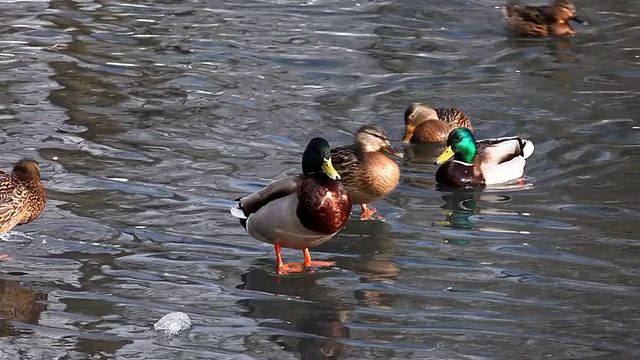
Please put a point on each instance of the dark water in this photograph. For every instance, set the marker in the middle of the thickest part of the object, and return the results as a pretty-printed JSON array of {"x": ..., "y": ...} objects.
[{"x": 149, "y": 117}]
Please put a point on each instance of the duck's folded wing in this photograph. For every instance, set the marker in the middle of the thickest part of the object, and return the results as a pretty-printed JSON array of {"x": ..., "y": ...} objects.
[
  {"x": 252, "y": 203},
  {"x": 7, "y": 212},
  {"x": 12, "y": 193},
  {"x": 532, "y": 14},
  {"x": 498, "y": 151},
  {"x": 453, "y": 117},
  {"x": 503, "y": 172},
  {"x": 344, "y": 158}
]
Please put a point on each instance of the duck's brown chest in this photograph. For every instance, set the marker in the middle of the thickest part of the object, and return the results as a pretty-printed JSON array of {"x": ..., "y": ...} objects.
[
  {"x": 324, "y": 205},
  {"x": 378, "y": 177},
  {"x": 455, "y": 174},
  {"x": 431, "y": 131},
  {"x": 561, "y": 29}
]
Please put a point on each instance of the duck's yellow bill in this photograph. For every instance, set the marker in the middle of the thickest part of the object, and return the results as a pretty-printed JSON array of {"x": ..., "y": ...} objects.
[
  {"x": 408, "y": 133},
  {"x": 328, "y": 169},
  {"x": 446, "y": 155}
]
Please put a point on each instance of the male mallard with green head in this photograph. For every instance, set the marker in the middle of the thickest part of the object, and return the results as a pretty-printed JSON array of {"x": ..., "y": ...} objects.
[
  {"x": 298, "y": 211},
  {"x": 22, "y": 195},
  {"x": 539, "y": 21},
  {"x": 424, "y": 124},
  {"x": 366, "y": 172},
  {"x": 486, "y": 162}
]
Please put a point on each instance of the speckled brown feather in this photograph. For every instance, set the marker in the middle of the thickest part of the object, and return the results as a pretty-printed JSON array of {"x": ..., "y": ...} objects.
[
  {"x": 454, "y": 117},
  {"x": 368, "y": 176},
  {"x": 454, "y": 173},
  {"x": 22, "y": 195},
  {"x": 540, "y": 21},
  {"x": 428, "y": 128},
  {"x": 431, "y": 131},
  {"x": 324, "y": 205}
]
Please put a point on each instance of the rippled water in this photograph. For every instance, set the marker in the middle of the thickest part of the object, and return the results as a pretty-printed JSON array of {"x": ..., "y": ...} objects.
[{"x": 148, "y": 118}]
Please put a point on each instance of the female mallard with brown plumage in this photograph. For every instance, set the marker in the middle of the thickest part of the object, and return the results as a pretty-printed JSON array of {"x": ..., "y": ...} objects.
[
  {"x": 427, "y": 125},
  {"x": 486, "y": 162},
  {"x": 298, "y": 211},
  {"x": 539, "y": 21},
  {"x": 365, "y": 171},
  {"x": 22, "y": 195}
]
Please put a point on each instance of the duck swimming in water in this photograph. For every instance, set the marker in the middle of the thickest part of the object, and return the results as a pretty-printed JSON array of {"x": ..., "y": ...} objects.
[
  {"x": 540, "y": 21},
  {"x": 22, "y": 195},
  {"x": 486, "y": 162},
  {"x": 424, "y": 124}
]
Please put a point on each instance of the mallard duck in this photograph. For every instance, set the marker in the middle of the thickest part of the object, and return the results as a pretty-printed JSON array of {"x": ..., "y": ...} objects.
[
  {"x": 486, "y": 162},
  {"x": 22, "y": 196},
  {"x": 426, "y": 125},
  {"x": 366, "y": 172},
  {"x": 298, "y": 211},
  {"x": 538, "y": 21}
]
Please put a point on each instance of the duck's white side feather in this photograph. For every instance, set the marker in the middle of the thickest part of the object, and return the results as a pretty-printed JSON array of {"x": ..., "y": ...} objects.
[
  {"x": 278, "y": 222},
  {"x": 495, "y": 168},
  {"x": 505, "y": 172}
]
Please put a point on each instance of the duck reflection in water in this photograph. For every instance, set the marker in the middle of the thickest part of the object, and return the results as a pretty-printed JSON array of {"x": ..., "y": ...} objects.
[
  {"x": 20, "y": 304},
  {"x": 366, "y": 248},
  {"x": 559, "y": 50},
  {"x": 460, "y": 205},
  {"x": 418, "y": 164},
  {"x": 422, "y": 154},
  {"x": 319, "y": 321},
  {"x": 373, "y": 245}
]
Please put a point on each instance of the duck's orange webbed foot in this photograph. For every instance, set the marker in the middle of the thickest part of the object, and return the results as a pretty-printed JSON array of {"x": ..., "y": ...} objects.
[
  {"x": 521, "y": 181},
  {"x": 367, "y": 212},
  {"x": 290, "y": 268},
  {"x": 321, "y": 264},
  {"x": 315, "y": 263},
  {"x": 4, "y": 257}
]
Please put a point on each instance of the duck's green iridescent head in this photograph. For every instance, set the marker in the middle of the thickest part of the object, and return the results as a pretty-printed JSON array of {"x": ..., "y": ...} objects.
[
  {"x": 317, "y": 159},
  {"x": 461, "y": 145}
]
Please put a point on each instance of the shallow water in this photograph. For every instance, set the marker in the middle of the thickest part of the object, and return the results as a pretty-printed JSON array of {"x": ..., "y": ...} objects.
[{"x": 148, "y": 118}]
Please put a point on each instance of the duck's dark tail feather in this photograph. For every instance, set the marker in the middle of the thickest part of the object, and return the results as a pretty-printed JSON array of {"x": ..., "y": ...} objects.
[
  {"x": 238, "y": 212},
  {"x": 526, "y": 147}
]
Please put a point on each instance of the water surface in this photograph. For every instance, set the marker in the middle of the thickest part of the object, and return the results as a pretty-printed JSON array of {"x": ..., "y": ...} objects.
[{"x": 148, "y": 118}]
